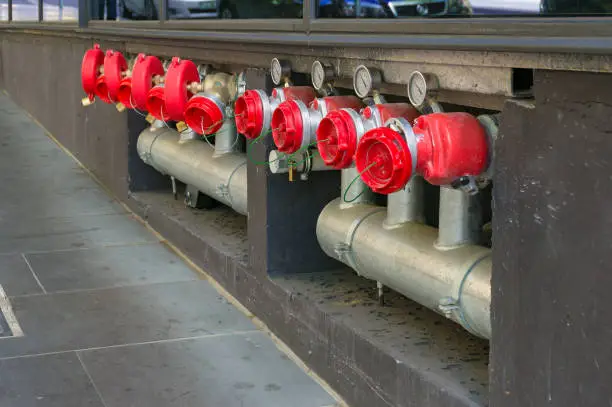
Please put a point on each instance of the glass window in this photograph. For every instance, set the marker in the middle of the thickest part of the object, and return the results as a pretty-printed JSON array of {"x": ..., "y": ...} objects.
[
  {"x": 3, "y": 10},
  {"x": 61, "y": 10},
  {"x": 134, "y": 9},
  {"x": 25, "y": 10},
  {"x": 234, "y": 9},
  {"x": 459, "y": 8}
]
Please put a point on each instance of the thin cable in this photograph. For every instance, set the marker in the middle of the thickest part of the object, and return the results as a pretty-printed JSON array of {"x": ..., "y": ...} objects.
[
  {"x": 162, "y": 117},
  {"x": 134, "y": 107},
  {"x": 305, "y": 148},
  {"x": 353, "y": 181}
]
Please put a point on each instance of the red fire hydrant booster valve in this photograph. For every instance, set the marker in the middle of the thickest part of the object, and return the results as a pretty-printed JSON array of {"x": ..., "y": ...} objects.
[
  {"x": 204, "y": 114},
  {"x": 339, "y": 132},
  {"x": 145, "y": 70},
  {"x": 294, "y": 125},
  {"x": 181, "y": 73},
  {"x": 156, "y": 103},
  {"x": 442, "y": 147},
  {"x": 93, "y": 61},
  {"x": 115, "y": 67},
  {"x": 254, "y": 109}
]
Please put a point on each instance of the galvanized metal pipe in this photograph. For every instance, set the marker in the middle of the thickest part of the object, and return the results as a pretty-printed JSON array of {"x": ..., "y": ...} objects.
[
  {"x": 227, "y": 138},
  {"x": 406, "y": 205},
  {"x": 455, "y": 283},
  {"x": 460, "y": 219},
  {"x": 194, "y": 162}
]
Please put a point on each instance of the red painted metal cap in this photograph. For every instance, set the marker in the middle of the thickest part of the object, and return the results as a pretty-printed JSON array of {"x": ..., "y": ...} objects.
[
  {"x": 181, "y": 73},
  {"x": 392, "y": 110},
  {"x": 384, "y": 160},
  {"x": 90, "y": 69},
  {"x": 124, "y": 95},
  {"x": 144, "y": 70},
  {"x": 339, "y": 102},
  {"x": 249, "y": 113},
  {"x": 203, "y": 115},
  {"x": 101, "y": 90},
  {"x": 337, "y": 139},
  {"x": 114, "y": 67},
  {"x": 156, "y": 104},
  {"x": 451, "y": 145},
  {"x": 304, "y": 93},
  {"x": 287, "y": 127}
]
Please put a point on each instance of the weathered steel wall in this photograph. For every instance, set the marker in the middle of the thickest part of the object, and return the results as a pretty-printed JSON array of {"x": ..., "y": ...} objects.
[
  {"x": 553, "y": 228},
  {"x": 43, "y": 76}
]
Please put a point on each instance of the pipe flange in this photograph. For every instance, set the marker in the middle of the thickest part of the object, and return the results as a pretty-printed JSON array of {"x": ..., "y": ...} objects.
[
  {"x": 452, "y": 307},
  {"x": 402, "y": 126},
  {"x": 344, "y": 250}
]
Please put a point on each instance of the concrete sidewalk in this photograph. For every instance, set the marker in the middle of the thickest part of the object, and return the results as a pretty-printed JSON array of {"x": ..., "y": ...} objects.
[{"x": 109, "y": 316}]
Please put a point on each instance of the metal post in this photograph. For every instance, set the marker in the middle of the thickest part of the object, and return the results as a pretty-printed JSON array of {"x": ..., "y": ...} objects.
[
  {"x": 10, "y": 10},
  {"x": 309, "y": 13},
  {"x": 84, "y": 13},
  {"x": 460, "y": 219},
  {"x": 40, "y": 10},
  {"x": 406, "y": 205},
  {"x": 163, "y": 10}
]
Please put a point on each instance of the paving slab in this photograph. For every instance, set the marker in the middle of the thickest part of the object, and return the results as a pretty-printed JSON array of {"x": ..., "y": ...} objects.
[
  {"x": 108, "y": 267},
  {"x": 229, "y": 371},
  {"x": 46, "y": 381},
  {"x": 117, "y": 316},
  {"x": 29, "y": 234},
  {"x": 16, "y": 277}
]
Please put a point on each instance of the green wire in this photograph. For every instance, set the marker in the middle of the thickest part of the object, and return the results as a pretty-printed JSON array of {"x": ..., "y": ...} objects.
[{"x": 351, "y": 184}]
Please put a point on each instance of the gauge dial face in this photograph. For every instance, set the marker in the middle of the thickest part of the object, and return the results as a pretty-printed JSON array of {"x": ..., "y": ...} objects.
[
  {"x": 276, "y": 71},
  {"x": 417, "y": 88},
  {"x": 318, "y": 75},
  {"x": 362, "y": 81}
]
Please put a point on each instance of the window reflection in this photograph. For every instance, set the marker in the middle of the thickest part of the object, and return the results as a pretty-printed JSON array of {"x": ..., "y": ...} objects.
[
  {"x": 60, "y": 10},
  {"x": 459, "y": 8},
  {"x": 25, "y": 10},
  {"x": 136, "y": 9},
  {"x": 234, "y": 9}
]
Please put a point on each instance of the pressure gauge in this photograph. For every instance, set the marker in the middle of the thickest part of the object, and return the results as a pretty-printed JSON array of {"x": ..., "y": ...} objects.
[
  {"x": 279, "y": 70},
  {"x": 321, "y": 74},
  {"x": 365, "y": 80},
  {"x": 419, "y": 85}
]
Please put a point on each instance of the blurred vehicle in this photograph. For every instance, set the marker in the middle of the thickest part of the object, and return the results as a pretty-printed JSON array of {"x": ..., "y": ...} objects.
[
  {"x": 350, "y": 8},
  {"x": 259, "y": 9},
  {"x": 226, "y": 9}
]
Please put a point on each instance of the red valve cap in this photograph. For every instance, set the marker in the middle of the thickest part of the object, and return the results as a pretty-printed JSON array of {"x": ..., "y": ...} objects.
[
  {"x": 156, "y": 104},
  {"x": 338, "y": 102},
  {"x": 287, "y": 127},
  {"x": 337, "y": 139},
  {"x": 102, "y": 89},
  {"x": 90, "y": 69},
  {"x": 383, "y": 160},
  {"x": 124, "y": 95},
  {"x": 249, "y": 113},
  {"x": 392, "y": 110},
  {"x": 304, "y": 93},
  {"x": 204, "y": 115},
  {"x": 452, "y": 145},
  {"x": 181, "y": 73},
  {"x": 144, "y": 70},
  {"x": 114, "y": 67}
]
